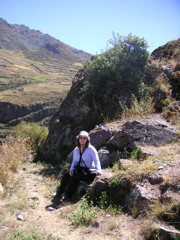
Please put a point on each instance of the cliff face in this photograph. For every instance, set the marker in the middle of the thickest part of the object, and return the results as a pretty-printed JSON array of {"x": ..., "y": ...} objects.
[
  {"x": 11, "y": 111},
  {"x": 73, "y": 116},
  {"x": 12, "y": 114}
]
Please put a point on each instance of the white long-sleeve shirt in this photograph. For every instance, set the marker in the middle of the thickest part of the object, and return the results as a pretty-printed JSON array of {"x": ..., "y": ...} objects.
[{"x": 90, "y": 159}]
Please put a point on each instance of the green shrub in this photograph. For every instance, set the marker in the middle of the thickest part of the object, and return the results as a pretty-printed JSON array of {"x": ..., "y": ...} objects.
[
  {"x": 112, "y": 198},
  {"x": 136, "y": 153},
  {"x": 34, "y": 133},
  {"x": 84, "y": 215},
  {"x": 116, "y": 73},
  {"x": 39, "y": 79}
]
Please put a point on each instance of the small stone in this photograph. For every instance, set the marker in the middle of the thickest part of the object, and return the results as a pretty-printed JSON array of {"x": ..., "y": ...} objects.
[
  {"x": 4, "y": 228},
  {"x": 155, "y": 179},
  {"x": 95, "y": 225},
  {"x": 1, "y": 188},
  {"x": 33, "y": 199},
  {"x": 20, "y": 218},
  {"x": 160, "y": 167},
  {"x": 107, "y": 215}
]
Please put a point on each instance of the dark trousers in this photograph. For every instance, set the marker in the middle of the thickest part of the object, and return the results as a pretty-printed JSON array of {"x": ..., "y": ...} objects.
[{"x": 69, "y": 183}]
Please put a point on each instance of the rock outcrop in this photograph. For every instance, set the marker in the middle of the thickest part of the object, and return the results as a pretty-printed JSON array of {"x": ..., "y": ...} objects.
[
  {"x": 163, "y": 72},
  {"x": 139, "y": 133},
  {"x": 75, "y": 114},
  {"x": 10, "y": 111}
]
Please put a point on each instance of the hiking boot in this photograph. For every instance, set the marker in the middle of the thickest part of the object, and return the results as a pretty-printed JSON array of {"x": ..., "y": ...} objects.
[{"x": 56, "y": 200}]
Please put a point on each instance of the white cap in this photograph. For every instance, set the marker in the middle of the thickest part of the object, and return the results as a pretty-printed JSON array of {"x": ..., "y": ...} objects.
[{"x": 84, "y": 134}]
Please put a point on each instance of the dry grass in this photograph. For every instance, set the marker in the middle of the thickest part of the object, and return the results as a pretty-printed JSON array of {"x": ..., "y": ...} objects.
[
  {"x": 57, "y": 223},
  {"x": 143, "y": 169},
  {"x": 31, "y": 183},
  {"x": 158, "y": 209},
  {"x": 12, "y": 154},
  {"x": 160, "y": 156},
  {"x": 142, "y": 108}
]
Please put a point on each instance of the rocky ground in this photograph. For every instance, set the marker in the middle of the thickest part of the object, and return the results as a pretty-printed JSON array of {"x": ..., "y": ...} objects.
[{"x": 144, "y": 185}]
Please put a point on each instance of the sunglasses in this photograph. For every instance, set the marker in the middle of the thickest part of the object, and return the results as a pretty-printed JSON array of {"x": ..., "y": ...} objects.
[{"x": 83, "y": 138}]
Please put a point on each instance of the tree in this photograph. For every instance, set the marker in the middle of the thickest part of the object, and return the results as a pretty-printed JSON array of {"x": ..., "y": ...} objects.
[{"x": 116, "y": 74}]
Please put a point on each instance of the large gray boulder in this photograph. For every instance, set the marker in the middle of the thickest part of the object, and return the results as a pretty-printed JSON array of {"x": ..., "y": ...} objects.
[
  {"x": 100, "y": 135},
  {"x": 107, "y": 158},
  {"x": 142, "y": 133},
  {"x": 140, "y": 197}
]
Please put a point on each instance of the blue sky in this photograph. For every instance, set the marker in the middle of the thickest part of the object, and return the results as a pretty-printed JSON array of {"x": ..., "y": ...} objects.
[{"x": 88, "y": 24}]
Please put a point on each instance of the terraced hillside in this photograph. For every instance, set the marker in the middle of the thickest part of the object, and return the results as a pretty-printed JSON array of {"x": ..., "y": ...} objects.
[{"x": 23, "y": 79}]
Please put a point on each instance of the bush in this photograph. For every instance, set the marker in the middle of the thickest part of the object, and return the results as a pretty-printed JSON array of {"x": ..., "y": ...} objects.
[
  {"x": 116, "y": 73},
  {"x": 84, "y": 215},
  {"x": 33, "y": 133}
]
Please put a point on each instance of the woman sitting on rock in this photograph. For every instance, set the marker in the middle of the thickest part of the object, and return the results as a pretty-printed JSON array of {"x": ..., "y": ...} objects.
[{"x": 85, "y": 167}]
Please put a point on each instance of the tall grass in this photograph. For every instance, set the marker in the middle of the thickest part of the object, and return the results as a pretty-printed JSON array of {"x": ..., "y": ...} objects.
[
  {"x": 33, "y": 133},
  {"x": 83, "y": 216},
  {"x": 142, "y": 108},
  {"x": 12, "y": 153},
  {"x": 26, "y": 140}
]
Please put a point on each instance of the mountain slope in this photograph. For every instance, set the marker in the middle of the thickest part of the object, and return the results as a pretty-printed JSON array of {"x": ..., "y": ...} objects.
[
  {"x": 35, "y": 67},
  {"x": 20, "y": 37}
]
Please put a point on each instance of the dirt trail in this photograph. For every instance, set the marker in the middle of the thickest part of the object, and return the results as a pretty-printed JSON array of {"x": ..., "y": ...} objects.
[{"x": 56, "y": 222}]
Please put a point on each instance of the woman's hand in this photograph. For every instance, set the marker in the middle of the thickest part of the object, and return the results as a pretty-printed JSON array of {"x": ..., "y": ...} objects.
[{"x": 71, "y": 173}]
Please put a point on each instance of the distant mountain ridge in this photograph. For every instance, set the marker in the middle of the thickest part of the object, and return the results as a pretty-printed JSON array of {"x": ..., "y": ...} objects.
[{"x": 20, "y": 37}]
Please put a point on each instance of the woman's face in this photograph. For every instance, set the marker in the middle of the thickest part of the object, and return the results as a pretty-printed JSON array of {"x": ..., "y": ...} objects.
[{"x": 82, "y": 140}]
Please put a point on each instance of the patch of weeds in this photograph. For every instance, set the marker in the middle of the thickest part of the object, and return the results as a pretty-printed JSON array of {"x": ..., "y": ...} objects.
[
  {"x": 115, "y": 167},
  {"x": 112, "y": 199},
  {"x": 168, "y": 212},
  {"x": 13, "y": 187},
  {"x": 118, "y": 188},
  {"x": 143, "y": 168},
  {"x": 139, "y": 108},
  {"x": 34, "y": 134},
  {"x": 134, "y": 212},
  {"x": 22, "y": 204},
  {"x": 135, "y": 154},
  {"x": 39, "y": 79},
  {"x": 103, "y": 201},
  {"x": 105, "y": 204},
  {"x": 83, "y": 216},
  {"x": 20, "y": 234},
  {"x": 51, "y": 184}
]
